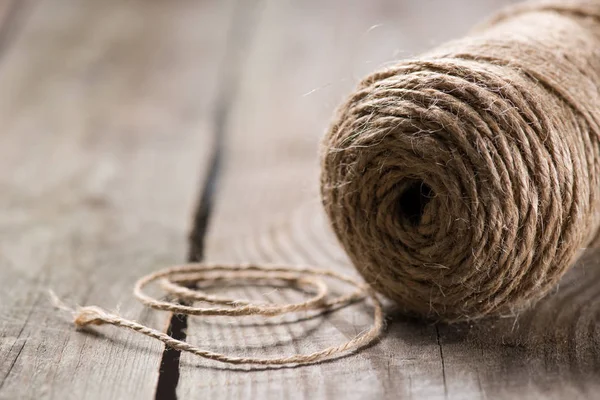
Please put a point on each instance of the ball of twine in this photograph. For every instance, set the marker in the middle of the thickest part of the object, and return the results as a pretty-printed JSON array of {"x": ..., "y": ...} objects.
[{"x": 466, "y": 182}]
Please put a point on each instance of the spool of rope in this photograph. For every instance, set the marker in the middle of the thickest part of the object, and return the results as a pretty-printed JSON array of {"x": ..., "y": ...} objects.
[
  {"x": 466, "y": 182},
  {"x": 462, "y": 183}
]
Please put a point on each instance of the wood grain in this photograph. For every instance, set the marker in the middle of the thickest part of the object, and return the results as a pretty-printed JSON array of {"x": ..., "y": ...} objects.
[{"x": 105, "y": 110}]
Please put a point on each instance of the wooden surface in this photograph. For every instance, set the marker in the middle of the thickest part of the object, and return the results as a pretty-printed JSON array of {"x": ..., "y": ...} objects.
[
  {"x": 103, "y": 146},
  {"x": 115, "y": 115}
]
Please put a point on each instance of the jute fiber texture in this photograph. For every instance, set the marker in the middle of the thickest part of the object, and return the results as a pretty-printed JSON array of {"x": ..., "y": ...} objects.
[{"x": 466, "y": 182}]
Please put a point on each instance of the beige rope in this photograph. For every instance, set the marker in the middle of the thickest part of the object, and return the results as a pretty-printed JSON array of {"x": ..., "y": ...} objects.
[
  {"x": 465, "y": 182},
  {"x": 172, "y": 279}
]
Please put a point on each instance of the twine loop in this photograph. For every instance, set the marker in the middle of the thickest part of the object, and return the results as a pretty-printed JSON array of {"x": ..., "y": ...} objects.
[{"x": 181, "y": 284}]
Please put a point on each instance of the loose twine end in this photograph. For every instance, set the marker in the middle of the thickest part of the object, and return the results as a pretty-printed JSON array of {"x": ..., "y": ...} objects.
[
  {"x": 176, "y": 281},
  {"x": 82, "y": 316},
  {"x": 89, "y": 315}
]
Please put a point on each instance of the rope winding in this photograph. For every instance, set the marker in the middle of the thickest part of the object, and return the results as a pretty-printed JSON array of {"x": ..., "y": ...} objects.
[{"x": 177, "y": 283}]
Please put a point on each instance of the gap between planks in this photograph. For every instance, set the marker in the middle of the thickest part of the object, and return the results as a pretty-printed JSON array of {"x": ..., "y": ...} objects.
[{"x": 239, "y": 37}]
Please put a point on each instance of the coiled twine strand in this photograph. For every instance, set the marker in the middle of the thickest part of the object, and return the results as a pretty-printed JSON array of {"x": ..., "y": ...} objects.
[
  {"x": 181, "y": 282},
  {"x": 466, "y": 182}
]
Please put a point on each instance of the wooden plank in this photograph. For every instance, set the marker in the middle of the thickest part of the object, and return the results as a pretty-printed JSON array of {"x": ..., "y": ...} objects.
[
  {"x": 304, "y": 57},
  {"x": 105, "y": 110},
  {"x": 551, "y": 351}
]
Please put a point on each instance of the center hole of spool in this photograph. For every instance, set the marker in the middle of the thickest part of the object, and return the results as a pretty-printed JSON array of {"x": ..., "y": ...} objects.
[{"x": 413, "y": 200}]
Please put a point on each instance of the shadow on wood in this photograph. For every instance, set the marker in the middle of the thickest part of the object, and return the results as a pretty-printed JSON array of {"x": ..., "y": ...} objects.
[{"x": 554, "y": 346}]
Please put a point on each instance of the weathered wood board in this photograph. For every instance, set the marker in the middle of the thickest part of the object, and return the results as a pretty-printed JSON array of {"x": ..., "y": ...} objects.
[
  {"x": 114, "y": 115},
  {"x": 105, "y": 116}
]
